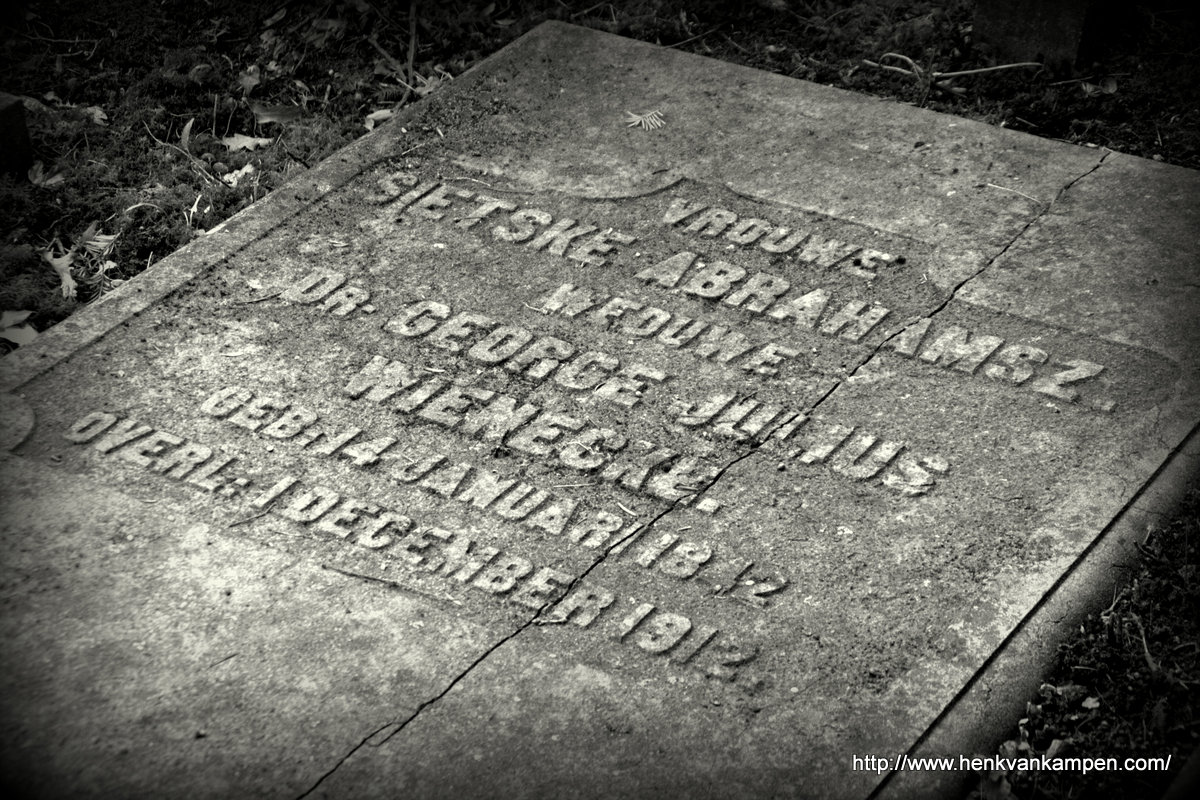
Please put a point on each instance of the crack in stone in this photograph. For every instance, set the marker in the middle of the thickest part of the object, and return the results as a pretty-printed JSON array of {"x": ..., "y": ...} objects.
[
  {"x": 538, "y": 618},
  {"x": 535, "y": 619},
  {"x": 816, "y": 404},
  {"x": 976, "y": 676}
]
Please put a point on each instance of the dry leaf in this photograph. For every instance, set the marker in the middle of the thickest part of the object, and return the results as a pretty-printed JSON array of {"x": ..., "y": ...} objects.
[
  {"x": 375, "y": 117},
  {"x": 281, "y": 114},
  {"x": 185, "y": 138},
  {"x": 232, "y": 178},
  {"x": 198, "y": 73},
  {"x": 62, "y": 266},
  {"x": 12, "y": 329},
  {"x": 96, "y": 114},
  {"x": 240, "y": 141},
  {"x": 96, "y": 243},
  {"x": 1056, "y": 748},
  {"x": 38, "y": 177},
  {"x": 1091, "y": 703},
  {"x": 249, "y": 78},
  {"x": 651, "y": 120}
]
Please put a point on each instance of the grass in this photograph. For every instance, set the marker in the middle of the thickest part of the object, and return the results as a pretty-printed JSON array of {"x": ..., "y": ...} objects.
[
  {"x": 150, "y": 128},
  {"x": 1126, "y": 684}
]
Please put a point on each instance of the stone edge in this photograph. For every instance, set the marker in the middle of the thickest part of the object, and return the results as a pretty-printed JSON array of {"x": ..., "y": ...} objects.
[
  {"x": 984, "y": 712},
  {"x": 243, "y": 229}
]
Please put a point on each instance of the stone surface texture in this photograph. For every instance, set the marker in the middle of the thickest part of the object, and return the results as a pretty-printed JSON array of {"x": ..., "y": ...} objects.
[{"x": 521, "y": 451}]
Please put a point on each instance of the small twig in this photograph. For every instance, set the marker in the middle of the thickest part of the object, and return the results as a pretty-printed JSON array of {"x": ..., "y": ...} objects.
[
  {"x": 939, "y": 80},
  {"x": 393, "y": 584},
  {"x": 1117, "y": 597},
  {"x": 627, "y": 511},
  {"x": 350, "y": 574},
  {"x": 275, "y": 293},
  {"x": 694, "y": 38},
  {"x": 243, "y": 521},
  {"x": 1150, "y": 662},
  {"x": 587, "y": 10},
  {"x": 1087, "y": 78},
  {"x": 222, "y": 661},
  {"x": 395, "y": 63},
  {"x": 464, "y": 178},
  {"x": 912, "y": 65},
  {"x": 901, "y": 70},
  {"x": 983, "y": 70},
  {"x": 1014, "y": 191},
  {"x": 735, "y": 44},
  {"x": 197, "y": 164},
  {"x": 412, "y": 47},
  {"x": 296, "y": 158}
]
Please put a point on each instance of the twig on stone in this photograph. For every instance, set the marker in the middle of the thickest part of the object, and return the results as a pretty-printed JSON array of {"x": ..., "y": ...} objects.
[
  {"x": 1014, "y": 191},
  {"x": 244, "y": 520},
  {"x": 260, "y": 299}
]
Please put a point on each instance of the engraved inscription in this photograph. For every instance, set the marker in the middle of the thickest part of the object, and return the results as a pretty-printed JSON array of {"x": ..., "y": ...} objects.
[{"x": 451, "y": 556}]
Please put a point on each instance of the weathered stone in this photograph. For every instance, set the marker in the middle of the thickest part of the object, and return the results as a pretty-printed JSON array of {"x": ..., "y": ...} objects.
[
  {"x": 519, "y": 451},
  {"x": 1049, "y": 31}
]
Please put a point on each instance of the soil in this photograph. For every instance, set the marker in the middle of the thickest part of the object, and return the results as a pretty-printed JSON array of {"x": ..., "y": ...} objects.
[{"x": 151, "y": 123}]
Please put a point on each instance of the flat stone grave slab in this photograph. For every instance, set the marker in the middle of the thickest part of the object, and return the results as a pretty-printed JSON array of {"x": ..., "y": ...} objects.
[{"x": 615, "y": 423}]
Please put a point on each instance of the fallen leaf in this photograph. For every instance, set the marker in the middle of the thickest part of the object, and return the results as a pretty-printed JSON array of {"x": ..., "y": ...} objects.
[
  {"x": 97, "y": 243},
  {"x": 281, "y": 114},
  {"x": 19, "y": 334},
  {"x": 10, "y": 318},
  {"x": 278, "y": 15},
  {"x": 240, "y": 141},
  {"x": 1106, "y": 86},
  {"x": 1056, "y": 748},
  {"x": 199, "y": 72},
  {"x": 249, "y": 78},
  {"x": 33, "y": 105},
  {"x": 232, "y": 178},
  {"x": 1091, "y": 703},
  {"x": 97, "y": 115},
  {"x": 62, "y": 266},
  {"x": 428, "y": 85},
  {"x": 185, "y": 138},
  {"x": 375, "y": 117},
  {"x": 38, "y": 177}
]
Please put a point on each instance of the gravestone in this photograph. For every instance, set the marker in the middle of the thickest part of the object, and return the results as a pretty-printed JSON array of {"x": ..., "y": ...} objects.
[
  {"x": 1021, "y": 30},
  {"x": 615, "y": 423}
]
